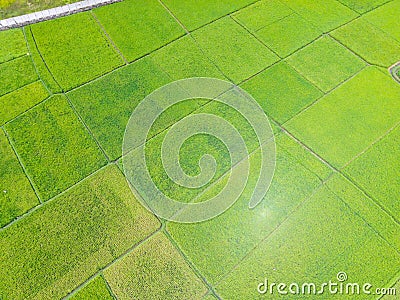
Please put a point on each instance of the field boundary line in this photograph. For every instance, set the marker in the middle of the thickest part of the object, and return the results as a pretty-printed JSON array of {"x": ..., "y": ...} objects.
[{"x": 109, "y": 37}]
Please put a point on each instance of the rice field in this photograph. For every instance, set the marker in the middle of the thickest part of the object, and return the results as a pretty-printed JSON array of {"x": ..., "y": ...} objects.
[{"x": 72, "y": 225}]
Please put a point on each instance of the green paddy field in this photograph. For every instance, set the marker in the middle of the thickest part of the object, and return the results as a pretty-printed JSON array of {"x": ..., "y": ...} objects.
[{"x": 321, "y": 71}]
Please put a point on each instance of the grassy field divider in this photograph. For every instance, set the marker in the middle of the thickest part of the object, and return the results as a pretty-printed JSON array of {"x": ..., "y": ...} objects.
[
  {"x": 39, "y": 64},
  {"x": 29, "y": 212},
  {"x": 100, "y": 271},
  {"x": 109, "y": 38},
  {"x": 189, "y": 262},
  {"x": 87, "y": 128},
  {"x": 35, "y": 189}
]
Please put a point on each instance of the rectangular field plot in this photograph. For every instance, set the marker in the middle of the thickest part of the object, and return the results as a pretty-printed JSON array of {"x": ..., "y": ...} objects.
[
  {"x": 56, "y": 248},
  {"x": 366, "y": 208},
  {"x": 236, "y": 52},
  {"x": 17, "y": 195},
  {"x": 154, "y": 270},
  {"x": 323, "y": 237},
  {"x": 20, "y": 100},
  {"x": 231, "y": 236},
  {"x": 262, "y": 13},
  {"x": 195, "y": 14},
  {"x": 16, "y": 73},
  {"x": 323, "y": 14},
  {"x": 192, "y": 150},
  {"x": 369, "y": 42},
  {"x": 183, "y": 59},
  {"x": 138, "y": 28},
  {"x": 382, "y": 180},
  {"x": 326, "y": 63},
  {"x": 95, "y": 289},
  {"x": 333, "y": 128},
  {"x": 288, "y": 34},
  {"x": 55, "y": 148},
  {"x": 75, "y": 49},
  {"x": 12, "y": 44},
  {"x": 281, "y": 91},
  {"x": 106, "y": 104},
  {"x": 387, "y": 18}
]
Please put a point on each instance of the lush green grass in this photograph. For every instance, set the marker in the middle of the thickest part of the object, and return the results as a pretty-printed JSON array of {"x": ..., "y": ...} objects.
[
  {"x": 20, "y": 100},
  {"x": 138, "y": 28},
  {"x": 324, "y": 14},
  {"x": 231, "y": 236},
  {"x": 288, "y": 34},
  {"x": 92, "y": 238},
  {"x": 12, "y": 8},
  {"x": 12, "y": 44},
  {"x": 237, "y": 53},
  {"x": 16, "y": 73},
  {"x": 154, "y": 270},
  {"x": 96, "y": 289},
  {"x": 281, "y": 91},
  {"x": 55, "y": 148},
  {"x": 387, "y": 18},
  {"x": 192, "y": 150},
  {"x": 322, "y": 238},
  {"x": 89, "y": 53},
  {"x": 369, "y": 42},
  {"x": 49, "y": 252},
  {"x": 262, "y": 13},
  {"x": 183, "y": 59},
  {"x": 338, "y": 131},
  {"x": 196, "y": 14},
  {"x": 17, "y": 195},
  {"x": 106, "y": 104},
  {"x": 326, "y": 63},
  {"x": 363, "y": 6},
  {"x": 381, "y": 181},
  {"x": 39, "y": 64}
]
